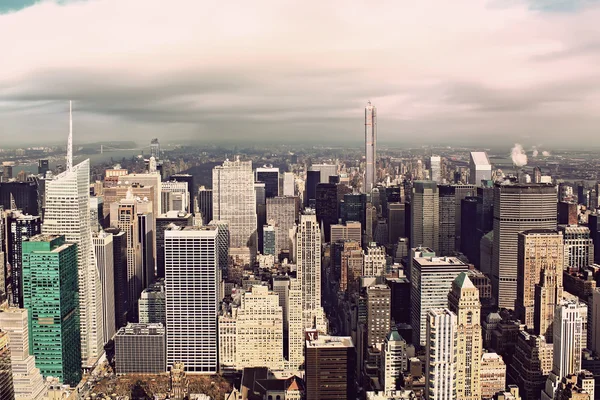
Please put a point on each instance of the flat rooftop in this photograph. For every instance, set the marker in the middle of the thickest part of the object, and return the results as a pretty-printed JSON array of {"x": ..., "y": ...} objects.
[{"x": 325, "y": 341}]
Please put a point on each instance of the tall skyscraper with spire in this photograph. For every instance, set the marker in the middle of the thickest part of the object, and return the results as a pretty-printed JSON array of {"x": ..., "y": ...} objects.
[
  {"x": 370, "y": 146},
  {"x": 68, "y": 213}
]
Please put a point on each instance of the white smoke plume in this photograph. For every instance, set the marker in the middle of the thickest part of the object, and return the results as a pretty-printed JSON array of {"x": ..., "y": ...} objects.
[
  {"x": 519, "y": 158},
  {"x": 535, "y": 152},
  {"x": 546, "y": 153}
]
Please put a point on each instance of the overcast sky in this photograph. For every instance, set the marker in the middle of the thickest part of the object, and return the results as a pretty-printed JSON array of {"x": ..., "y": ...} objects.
[{"x": 472, "y": 71}]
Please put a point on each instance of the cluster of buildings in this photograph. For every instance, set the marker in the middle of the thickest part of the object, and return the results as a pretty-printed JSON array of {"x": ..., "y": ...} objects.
[{"x": 324, "y": 282}]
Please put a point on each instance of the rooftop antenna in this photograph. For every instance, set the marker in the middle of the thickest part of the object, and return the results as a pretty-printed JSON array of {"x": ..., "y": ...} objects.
[{"x": 70, "y": 141}]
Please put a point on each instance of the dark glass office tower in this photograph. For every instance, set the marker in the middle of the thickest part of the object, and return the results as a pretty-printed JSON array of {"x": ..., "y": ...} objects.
[
  {"x": 312, "y": 180},
  {"x": 19, "y": 227},
  {"x": 205, "y": 203},
  {"x": 120, "y": 275},
  {"x": 330, "y": 365},
  {"x": 25, "y": 195},
  {"x": 270, "y": 177},
  {"x": 327, "y": 207}
]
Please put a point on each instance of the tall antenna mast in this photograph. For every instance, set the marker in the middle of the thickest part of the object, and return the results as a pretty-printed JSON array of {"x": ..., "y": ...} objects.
[{"x": 70, "y": 142}]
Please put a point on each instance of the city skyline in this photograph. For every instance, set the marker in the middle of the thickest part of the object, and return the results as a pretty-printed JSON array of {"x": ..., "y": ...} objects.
[{"x": 435, "y": 79}]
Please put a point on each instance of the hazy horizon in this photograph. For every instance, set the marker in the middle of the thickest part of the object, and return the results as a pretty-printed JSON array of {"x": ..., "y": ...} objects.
[{"x": 479, "y": 73}]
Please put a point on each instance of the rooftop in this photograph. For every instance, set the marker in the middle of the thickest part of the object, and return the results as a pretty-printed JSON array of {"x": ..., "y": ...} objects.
[
  {"x": 325, "y": 341},
  {"x": 480, "y": 158}
]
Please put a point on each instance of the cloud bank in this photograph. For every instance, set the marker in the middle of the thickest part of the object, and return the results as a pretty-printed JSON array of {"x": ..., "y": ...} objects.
[{"x": 484, "y": 72}]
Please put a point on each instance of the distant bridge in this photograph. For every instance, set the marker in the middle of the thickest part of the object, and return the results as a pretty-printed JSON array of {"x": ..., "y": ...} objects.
[{"x": 110, "y": 148}]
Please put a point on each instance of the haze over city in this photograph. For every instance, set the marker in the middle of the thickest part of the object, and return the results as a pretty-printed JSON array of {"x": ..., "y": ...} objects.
[{"x": 482, "y": 73}]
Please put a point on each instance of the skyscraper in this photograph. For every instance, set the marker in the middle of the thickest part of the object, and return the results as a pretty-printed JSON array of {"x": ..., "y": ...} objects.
[
  {"x": 569, "y": 341},
  {"x": 103, "y": 246},
  {"x": 269, "y": 239},
  {"x": 289, "y": 184},
  {"x": 569, "y": 337},
  {"x": 431, "y": 280},
  {"x": 259, "y": 331},
  {"x": 308, "y": 260},
  {"x": 330, "y": 364},
  {"x": 436, "y": 168},
  {"x": 175, "y": 197},
  {"x": 270, "y": 177},
  {"x": 205, "y": 203},
  {"x": 425, "y": 218},
  {"x": 447, "y": 219},
  {"x": 7, "y": 390},
  {"x": 189, "y": 179},
  {"x": 191, "y": 280},
  {"x": 537, "y": 250},
  {"x": 119, "y": 239},
  {"x": 370, "y": 147},
  {"x": 68, "y": 213},
  {"x": 123, "y": 215},
  {"x": 20, "y": 227},
  {"x": 27, "y": 379},
  {"x": 517, "y": 208},
  {"x": 282, "y": 213},
  {"x": 326, "y": 207},
  {"x": 50, "y": 297},
  {"x": 440, "y": 365},
  {"x": 463, "y": 300},
  {"x": 234, "y": 201},
  {"x": 24, "y": 194},
  {"x": 579, "y": 247},
  {"x": 162, "y": 222},
  {"x": 479, "y": 168},
  {"x": 394, "y": 360},
  {"x": 379, "y": 299}
]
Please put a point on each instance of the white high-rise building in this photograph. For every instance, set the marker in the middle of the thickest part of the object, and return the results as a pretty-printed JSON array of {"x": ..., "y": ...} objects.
[
  {"x": 370, "y": 147},
  {"x": 440, "y": 365},
  {"x": 68, "y": 213},
  {"x": 191, "y": 287},
  {"x": 374, "y": 263},
  {"x": 234, "y": 201},
  {"x": 103, "y": 246},
  {"x": 295, "y": 326},
  {"x": 259, "y": 331},
  {"x": 569, "y": 341},
  {"x": 308, "y": 260},
  {"x": 569, "y": 337},
  {"x": 480, "y": 168},
  {"x": 289, "y": 184},
  {"x": 431, "y": 280},
  {"x": 27, "y": 380},
  {"x": 175, "y": 197},
  {"x": 436, "y": 168},
  {"x": 394, "y": 361}
]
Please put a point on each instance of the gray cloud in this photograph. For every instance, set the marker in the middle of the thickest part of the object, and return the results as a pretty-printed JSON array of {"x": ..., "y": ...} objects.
[{"x": 268, "y": 72}]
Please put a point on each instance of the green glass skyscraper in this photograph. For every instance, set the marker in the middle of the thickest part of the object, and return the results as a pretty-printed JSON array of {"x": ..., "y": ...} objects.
[{"x": 50, "y": 294}]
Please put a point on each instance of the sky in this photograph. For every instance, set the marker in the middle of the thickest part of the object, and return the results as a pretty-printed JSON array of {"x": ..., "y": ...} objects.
[{"x": 478, "y": 72}]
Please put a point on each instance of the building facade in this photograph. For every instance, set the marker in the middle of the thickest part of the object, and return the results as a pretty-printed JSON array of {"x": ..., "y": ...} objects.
[
  {"x": 517, "y": 208},
  {"x": 50, "y": 296},
  {"x": 191, "y": 288}
]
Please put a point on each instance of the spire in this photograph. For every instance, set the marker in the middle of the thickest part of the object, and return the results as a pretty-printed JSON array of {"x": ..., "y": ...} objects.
[
  {"x": 70, "y": 141},
  {"x": 13, "y": 203}
]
